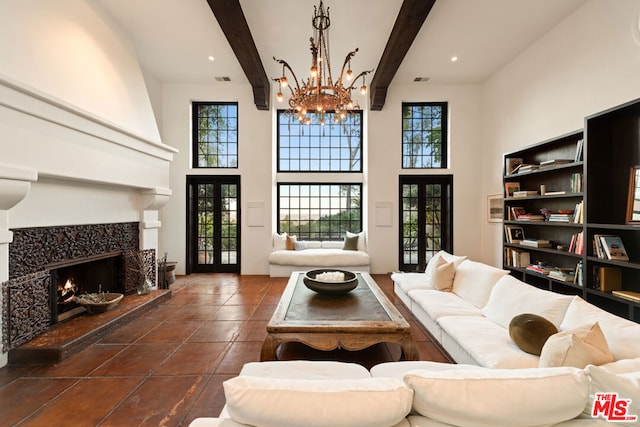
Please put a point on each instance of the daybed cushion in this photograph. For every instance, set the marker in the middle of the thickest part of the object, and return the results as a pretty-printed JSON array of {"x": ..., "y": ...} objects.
[
  {"x": 530, "y": 332},
  {"x": 499, "y": 397},
  {"x": 577, "y": 347},
  {"x": 274, "y": 402},
  {"x": 474, "y": 280},
  {"x": 511, "y": 297},
  {"x": 623, "y": 336},
  {"x": 486, "y": 342},
  {"x": 319, "y": 257}
]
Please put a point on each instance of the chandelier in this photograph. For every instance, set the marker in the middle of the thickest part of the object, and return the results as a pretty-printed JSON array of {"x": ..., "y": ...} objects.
[{"x": 319, "y": 93}]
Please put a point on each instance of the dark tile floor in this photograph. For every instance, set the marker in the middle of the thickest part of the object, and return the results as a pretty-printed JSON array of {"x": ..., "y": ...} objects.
[{"x": 167, "y": 367}]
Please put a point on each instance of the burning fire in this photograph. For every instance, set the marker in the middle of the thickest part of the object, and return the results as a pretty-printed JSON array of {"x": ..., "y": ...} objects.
[{"x": 67, "y": 292}]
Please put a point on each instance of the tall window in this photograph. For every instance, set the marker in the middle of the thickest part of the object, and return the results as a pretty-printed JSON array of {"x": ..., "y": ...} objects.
[
  {"x": 319, "y": 211},
  {"x": 215, "y": 135},
  {"x": 317, "y": 147},
  {"x": 426, "y": 215},
  {"x": 424, "y": 135}
]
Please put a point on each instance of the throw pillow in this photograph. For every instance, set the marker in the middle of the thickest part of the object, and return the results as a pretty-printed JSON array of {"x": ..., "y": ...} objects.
[
  {"x": 300, "y": 246},
  {"x": 279, "y": 241},
  {"x": 375, "y": 402},
  {"x": 530, "y": 331},
  {"x": 579, "y": 347},
  {"x": 362, "y": 244},
  {"x": 441, "y": 274},
  {"x": 290, "y": 241},
  {"x": 350, "y": 243}
]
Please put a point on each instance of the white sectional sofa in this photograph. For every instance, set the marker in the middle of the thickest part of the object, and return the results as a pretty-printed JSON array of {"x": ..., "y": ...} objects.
[
  {"x": 422, "y": 394},
  {"x": 471, "y": 319},
  {"x": 309, "y": 255}
]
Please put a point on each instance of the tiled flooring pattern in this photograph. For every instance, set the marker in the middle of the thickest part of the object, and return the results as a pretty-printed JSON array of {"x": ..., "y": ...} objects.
[{"x": 167, "y": 367}]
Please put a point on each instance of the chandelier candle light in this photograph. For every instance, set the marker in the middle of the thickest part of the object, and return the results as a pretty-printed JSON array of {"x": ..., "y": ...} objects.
[{"x": 319, "y": 93}]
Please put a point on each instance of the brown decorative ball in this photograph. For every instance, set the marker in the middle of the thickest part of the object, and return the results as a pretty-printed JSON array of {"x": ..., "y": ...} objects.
[{"x": 530, "y": 331}]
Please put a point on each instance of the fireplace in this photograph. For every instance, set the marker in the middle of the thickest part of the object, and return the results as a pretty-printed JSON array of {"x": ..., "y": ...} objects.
[
  {"x": 43, "y": 259},
  {"x": 90, "y": 276}
]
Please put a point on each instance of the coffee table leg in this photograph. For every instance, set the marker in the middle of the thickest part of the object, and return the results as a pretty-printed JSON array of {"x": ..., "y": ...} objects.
[
  {"x": 269, "y": 347},
  {"x": 409, "y": 349}
]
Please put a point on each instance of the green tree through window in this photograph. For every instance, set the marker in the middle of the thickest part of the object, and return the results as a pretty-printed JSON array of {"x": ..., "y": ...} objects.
[
  {"x": 215, "y": 135},
  {"x": 424, "y": 135}
]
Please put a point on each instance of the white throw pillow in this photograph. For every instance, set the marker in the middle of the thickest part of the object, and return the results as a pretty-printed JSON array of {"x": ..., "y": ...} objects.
[
  {"x": 511, "y": 297},
  {"x": 577, "y": 347},
  {"x": 279, "y": 241},
  {"x": 623, "y": 336},
  {"x": 627, "y": 387},
  {"x": 362, "y": 243},
  {"x": 499, "y": 397},
  {"x": 272, "y": 402},
  {"x": 474, "y": 280},
  {"x": 440, "y": 273}
]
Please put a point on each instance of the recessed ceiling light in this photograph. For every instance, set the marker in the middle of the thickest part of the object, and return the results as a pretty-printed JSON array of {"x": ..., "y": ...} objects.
[
  {"x": 211, "y": 58},
  {"x": 454, "y": 58}
]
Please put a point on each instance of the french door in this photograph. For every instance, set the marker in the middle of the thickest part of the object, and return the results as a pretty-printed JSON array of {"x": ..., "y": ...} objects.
[
  {"x": 213, "y": 224},
  {"x": 426, "y": 219}
]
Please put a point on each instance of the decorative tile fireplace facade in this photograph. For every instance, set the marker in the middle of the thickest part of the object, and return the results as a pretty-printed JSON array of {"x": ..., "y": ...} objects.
[{"x": 30, "y": 298}]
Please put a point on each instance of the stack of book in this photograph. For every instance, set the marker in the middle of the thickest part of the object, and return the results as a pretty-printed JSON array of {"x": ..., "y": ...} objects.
[
  {"x": 629, "y": 295},
  {"x": 555, "y": 162},
  {"x": 525, "y": 193},
  {"x": 536, "y": 243},
  {"x": 563, "y": 274},
  {"x": 577, "y": 243},
  {"x": 540, "y": 268},
  {"x": 517, "y": 258},
  {"x": 561, "y": 216}
]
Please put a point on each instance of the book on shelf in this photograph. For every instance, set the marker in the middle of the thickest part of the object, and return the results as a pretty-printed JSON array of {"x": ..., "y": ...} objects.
[
  {"x": 510, "y": 188},
  {"x": 511, "y": 164},
  {"x": 578, "y": 213},
  {"x": 576, "y": 182},
  {"x": 540, "y": 268},
  {"x": 525, "y": 193},
  {"x": 561, "y": 216},
  {"x": 527, "y": 168},
  {"x": 554, "y": 162},
  {"x": 579, "y": 148},
  {"x": 598, "y": 248},
  {"x": 629, "y": 295},
  {"x": 563, "y": 274},
  {"x": 614, "y": 248},
  {"x": 576, "y": 245},
  {"x": 530, "y": 217},
  {"x": 555, "y": 193},
  {"x": 517, "y": 258},
  {"x": 607, "y": 278},
  {"x": 536, "y": 243}
]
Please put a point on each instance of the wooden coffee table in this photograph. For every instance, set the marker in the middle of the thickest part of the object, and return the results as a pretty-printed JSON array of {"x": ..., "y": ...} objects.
[{"x": 352, "y": 321}]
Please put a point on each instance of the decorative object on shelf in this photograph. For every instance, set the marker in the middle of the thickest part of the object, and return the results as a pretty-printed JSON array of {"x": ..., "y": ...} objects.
[
  {"x": 510, "y": 188},
  {"x": 495, "y": 208},
  {"x": 606, "y": 279},
  {"x": 511, "y": 164},
  {"x": 319, "y": 93},
  {"x": 99, "y": 302},
  {"x": 514, "y": 233},
  {"x": 330, "y": 281},
  {"x": 633, "y": 201}
]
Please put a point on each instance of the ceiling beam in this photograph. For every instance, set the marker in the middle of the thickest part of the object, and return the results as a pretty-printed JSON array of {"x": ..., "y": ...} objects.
[
  {"x": 412, "y": 15},
  {"x": 234, "y": 26}
]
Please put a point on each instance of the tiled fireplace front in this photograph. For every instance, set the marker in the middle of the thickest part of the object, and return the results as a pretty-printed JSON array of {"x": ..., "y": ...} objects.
[{"x": 97, "y": 257}]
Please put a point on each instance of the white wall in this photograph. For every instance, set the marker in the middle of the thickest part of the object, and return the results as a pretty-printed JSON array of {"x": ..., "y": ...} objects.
[
  {"x": 78, "y": 137},
  {"x": 589, "y": 63}
]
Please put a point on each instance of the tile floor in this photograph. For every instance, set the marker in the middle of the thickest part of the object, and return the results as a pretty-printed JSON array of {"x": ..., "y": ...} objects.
[{"x": 167, "y": 367}]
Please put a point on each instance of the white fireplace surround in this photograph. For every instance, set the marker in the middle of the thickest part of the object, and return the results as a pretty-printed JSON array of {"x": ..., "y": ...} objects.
[{"x": 64, "y": 166}]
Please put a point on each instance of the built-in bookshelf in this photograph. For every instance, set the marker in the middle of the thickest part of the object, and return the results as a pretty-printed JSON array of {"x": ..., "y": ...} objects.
[{"x": 566, "y": 198}]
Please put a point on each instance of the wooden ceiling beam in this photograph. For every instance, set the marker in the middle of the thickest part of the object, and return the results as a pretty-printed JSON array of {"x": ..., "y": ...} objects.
[
  {"x": 235, "y": 28},
  {"x": 412, "y": 15}
]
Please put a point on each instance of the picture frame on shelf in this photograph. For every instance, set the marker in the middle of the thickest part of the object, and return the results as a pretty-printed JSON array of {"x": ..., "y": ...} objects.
[
  {"x": 511, "y": 164},
  {"x": 514, "y": 233},
  {"x": 495, "y": 208},
  {"x": 510, "y": 188},
  {"x": 633, "y": 199}
]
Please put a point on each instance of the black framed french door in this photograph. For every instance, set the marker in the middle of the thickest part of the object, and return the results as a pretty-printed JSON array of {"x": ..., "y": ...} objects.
[
  {"x": 213, "y": 224},
  {"x": 426, "y": 219}
]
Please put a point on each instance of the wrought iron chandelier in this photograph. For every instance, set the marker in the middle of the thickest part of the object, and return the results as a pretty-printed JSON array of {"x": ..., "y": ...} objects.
[{"x": 319, "y": 93}]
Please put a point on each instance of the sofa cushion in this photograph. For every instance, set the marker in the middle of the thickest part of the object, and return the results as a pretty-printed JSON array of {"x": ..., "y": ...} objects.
[
  {"x": 498, "y": 397},
  {"x": 623, "y": 336},
  {"x": 474, "y": 280},
  {"x": 627, "y": 387},
  {"x": 305, "y": 369},
  {"x": 400, "y": 369},
  {"x": 486, "y": 342},
  {"x": 577, "y": 347},
  {"x": 410, "y": 281},
  {"x": 440, "y": 273},
  {"x": 441, "y": 304},
  {"x": 275, "y": 402},
  {"x": 530, "y": 331},
  {"x": 511, "y": 297}
]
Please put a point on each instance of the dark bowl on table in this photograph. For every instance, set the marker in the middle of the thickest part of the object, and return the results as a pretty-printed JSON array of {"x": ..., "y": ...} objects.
[{"x": 329, "y": 287}]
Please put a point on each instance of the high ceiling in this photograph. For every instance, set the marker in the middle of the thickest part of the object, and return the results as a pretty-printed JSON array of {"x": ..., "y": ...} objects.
[{"x": 175, "y": 38}]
